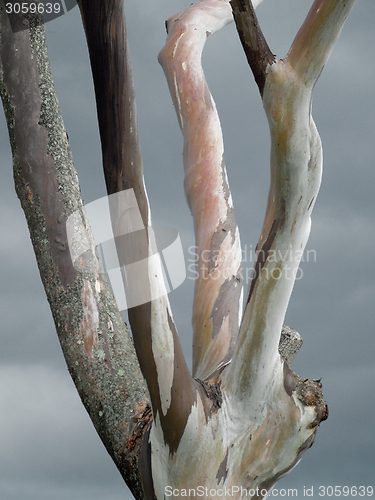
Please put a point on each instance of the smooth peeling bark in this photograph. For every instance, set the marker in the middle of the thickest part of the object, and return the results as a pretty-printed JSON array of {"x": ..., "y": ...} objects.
[
  {"x": 218, "y": 287},
  {"x": 217, "y": 303},
  {"x": 97, "y": 346},
  {"x": 296, "y": 164},
  {"x": 317, "y": 36},
  {"x": 245, "y": 433},
  {"x": 226, "y": 448},
  {"x": 171, "y": 387}
]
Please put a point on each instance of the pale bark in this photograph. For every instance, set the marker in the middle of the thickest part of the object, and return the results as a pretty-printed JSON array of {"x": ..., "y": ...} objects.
[
  {"x": 218, "y": 287},
  {"x": 296, "y": 165},
  {"x": 267, "y": 416}
]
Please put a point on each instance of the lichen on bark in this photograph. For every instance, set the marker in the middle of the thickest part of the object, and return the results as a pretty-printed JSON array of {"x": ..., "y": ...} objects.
[{"x": 111, "y": 386}]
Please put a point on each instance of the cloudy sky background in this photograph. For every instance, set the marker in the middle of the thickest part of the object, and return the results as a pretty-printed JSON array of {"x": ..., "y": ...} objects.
[{"x": 48, "y": 447}]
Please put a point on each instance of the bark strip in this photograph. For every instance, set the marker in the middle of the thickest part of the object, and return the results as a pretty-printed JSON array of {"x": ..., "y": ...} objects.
[{"x": 172, "y": 390}]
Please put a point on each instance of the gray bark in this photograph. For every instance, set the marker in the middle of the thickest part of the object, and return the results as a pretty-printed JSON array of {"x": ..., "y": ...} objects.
[{"x": 95, "y": 340}]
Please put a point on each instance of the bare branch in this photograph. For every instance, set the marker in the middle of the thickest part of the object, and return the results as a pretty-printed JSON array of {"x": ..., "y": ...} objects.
[
  {"x": 218, "y": 289},
  {"x": 317, "y": 36},
  {"x": 95, "y": 341},
  {"x": 105, "y": 29},
  {"x": 249, "y": 422},
  {"x": 296, "y": 164},
  {"x": 258, "y": 54}
]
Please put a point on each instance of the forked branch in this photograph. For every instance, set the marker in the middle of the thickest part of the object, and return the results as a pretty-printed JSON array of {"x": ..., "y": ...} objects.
[
  {"x": 244, "y": 424},
  {"x": 296, "y": 163}
]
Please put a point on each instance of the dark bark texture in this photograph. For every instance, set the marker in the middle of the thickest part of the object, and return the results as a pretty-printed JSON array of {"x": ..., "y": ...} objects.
[
  {"x": 141, "y": 425},
  {"x": 255, "y": 46},
  {"x": 96, "y": 343}
]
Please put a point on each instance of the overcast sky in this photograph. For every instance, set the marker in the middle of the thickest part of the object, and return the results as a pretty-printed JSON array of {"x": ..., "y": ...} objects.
[{"x": 48, "y": 447}]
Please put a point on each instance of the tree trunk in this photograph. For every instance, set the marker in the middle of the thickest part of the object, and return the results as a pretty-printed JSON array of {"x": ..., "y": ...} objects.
[{"x": 96, "y": 343}]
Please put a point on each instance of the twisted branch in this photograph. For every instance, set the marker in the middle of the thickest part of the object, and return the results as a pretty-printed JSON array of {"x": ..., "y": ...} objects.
[{"x": 218, "y": 287}]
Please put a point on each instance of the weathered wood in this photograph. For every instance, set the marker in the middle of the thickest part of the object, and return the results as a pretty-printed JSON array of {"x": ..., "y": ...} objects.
[
  {"x": 289, "y": 344},
  {"x": 218, "y": 287},
  {"x": 255, "y": 46}
]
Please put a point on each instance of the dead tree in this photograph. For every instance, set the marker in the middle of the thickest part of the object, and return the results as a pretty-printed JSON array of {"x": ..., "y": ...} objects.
[{"x": 243, "y": 418}]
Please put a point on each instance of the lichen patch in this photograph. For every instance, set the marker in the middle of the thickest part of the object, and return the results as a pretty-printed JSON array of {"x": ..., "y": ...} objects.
[{"x": 89, "y": 324}]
